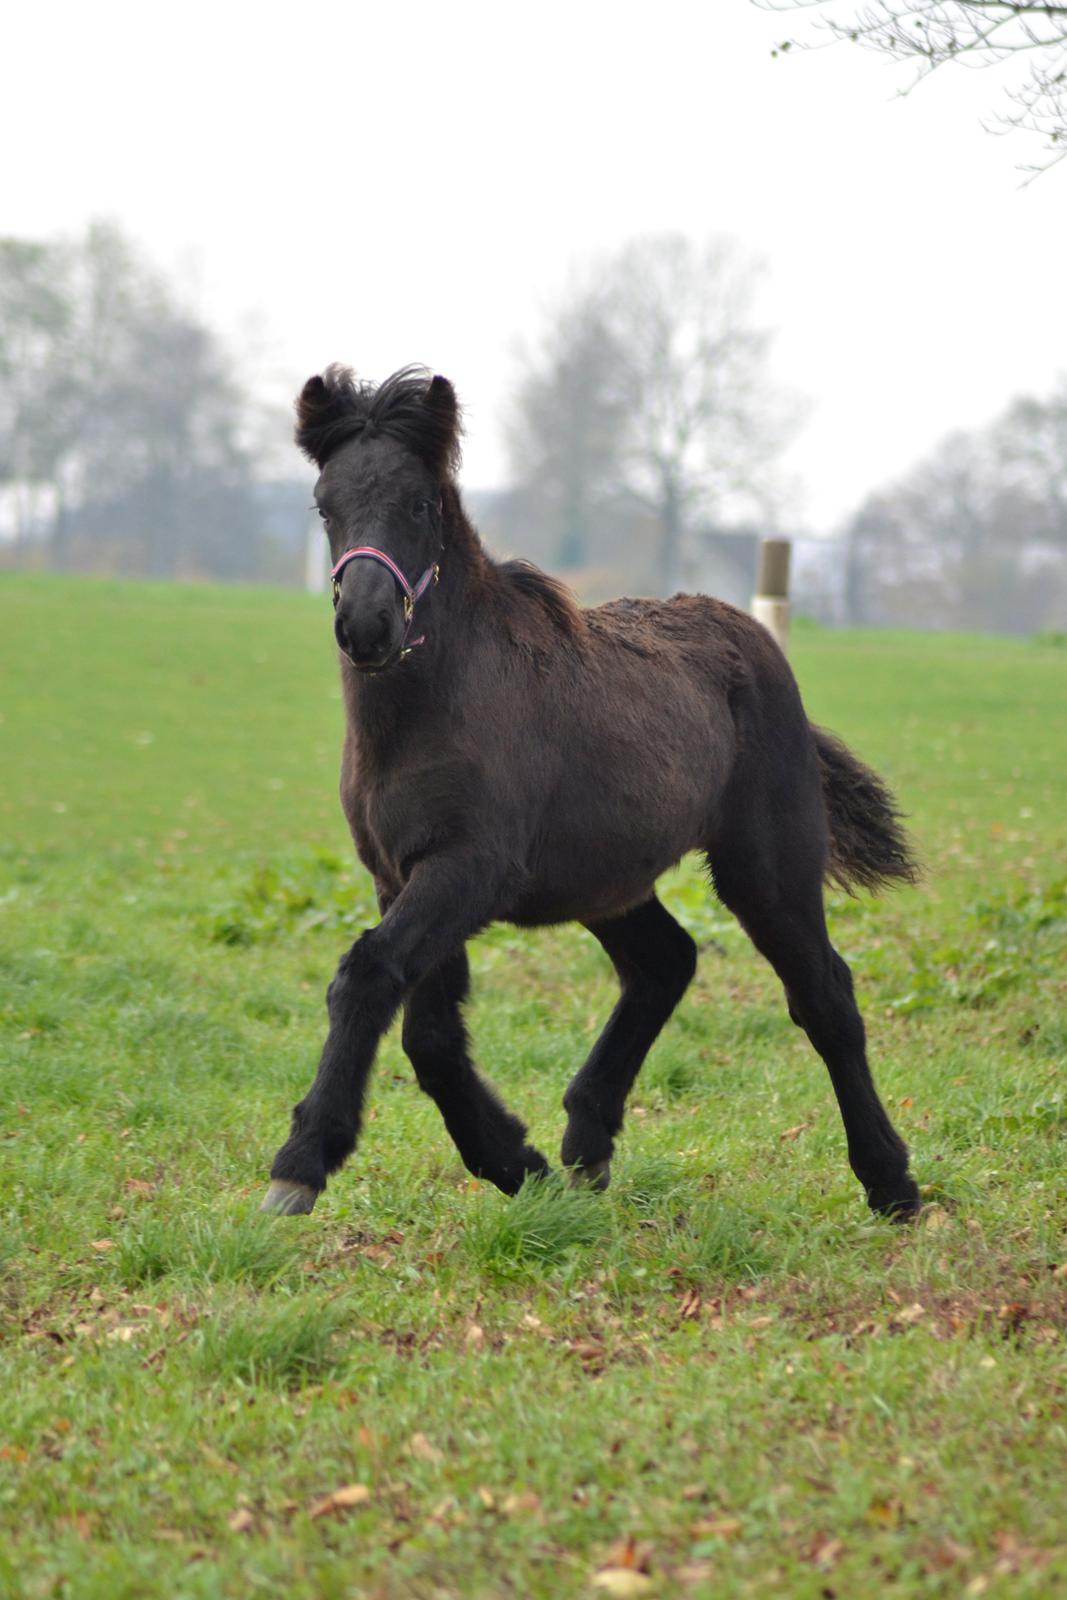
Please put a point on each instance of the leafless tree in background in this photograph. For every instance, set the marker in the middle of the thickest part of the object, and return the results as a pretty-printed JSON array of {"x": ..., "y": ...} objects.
[
  {"x": 653, "y": 387},
  {"x": 972, "y": 33},
  {"x": 976, "y": 535},
  {"x": 564, "y": 432},
  {"x": 123, "y": 435}
]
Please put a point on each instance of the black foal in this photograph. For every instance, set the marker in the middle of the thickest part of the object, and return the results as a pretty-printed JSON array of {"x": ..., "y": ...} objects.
[{"x": 510, "y": 757}]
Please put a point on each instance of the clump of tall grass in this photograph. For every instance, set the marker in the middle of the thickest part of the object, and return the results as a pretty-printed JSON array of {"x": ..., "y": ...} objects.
[
  {"x": 204, "y": 1250},
  {"x": 540, "y": 1226}
]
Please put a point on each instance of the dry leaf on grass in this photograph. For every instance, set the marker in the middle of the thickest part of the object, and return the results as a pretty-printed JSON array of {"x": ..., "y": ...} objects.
[
  {"x": 689, "y": 1308},
  {"x": 518, "y": 1505},
  {"x": 716, "y": 1528},
  {"x": 423, "y": 1450},
  {"x": 624, "y": 1583},
  {"x": 629, "y": 1554},
  {"x": 884, "y": 1513},
  {"x": 346, "y": 1499},
  {"x": 242, "y": 1520},
  {"x": 825, "y": 1553}
]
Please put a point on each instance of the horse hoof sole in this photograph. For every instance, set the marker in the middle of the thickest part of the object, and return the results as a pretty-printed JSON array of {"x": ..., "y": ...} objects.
[{"x": 285, "y": 1199}]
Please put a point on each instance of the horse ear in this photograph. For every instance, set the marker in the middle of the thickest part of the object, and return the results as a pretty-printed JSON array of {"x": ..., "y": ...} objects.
[
  {"x": 323, "y": 407},
  {"x": 445, "y": 426}
]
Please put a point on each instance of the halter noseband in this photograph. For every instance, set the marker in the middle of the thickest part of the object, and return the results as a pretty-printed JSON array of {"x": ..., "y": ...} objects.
[{"x": 411, "y": 594}]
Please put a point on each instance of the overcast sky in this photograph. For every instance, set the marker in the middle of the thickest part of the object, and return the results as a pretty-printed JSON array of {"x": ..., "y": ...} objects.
[{"x": 392, "y": 183}]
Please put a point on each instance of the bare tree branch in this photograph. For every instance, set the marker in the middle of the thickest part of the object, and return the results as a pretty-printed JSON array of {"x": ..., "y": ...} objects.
[{"x": 968, "y": 33}]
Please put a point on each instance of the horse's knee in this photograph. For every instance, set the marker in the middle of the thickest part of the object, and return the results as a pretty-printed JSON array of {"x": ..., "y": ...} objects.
[{"x": 364, "y": 978}]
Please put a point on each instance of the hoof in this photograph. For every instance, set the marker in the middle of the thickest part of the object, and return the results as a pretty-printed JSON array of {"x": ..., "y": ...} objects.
[
  {"x": 286, "y": 1199},
  {"x": 597, "y": 1176},
  {"x": 900, "y": 1204}
]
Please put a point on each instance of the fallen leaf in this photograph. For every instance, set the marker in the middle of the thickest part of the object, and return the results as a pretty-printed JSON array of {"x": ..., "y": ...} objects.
[
  {"x": 423, "y": 1450},
  {"x": 694, "y": 1572},
  {"x": 716, "y": 1528},
  {"x": 1013, "y": 1315},
  {"x": 934, "y": 1217},
  {"x": 521, "y": 1504},
  {"x": 102, "y": 1244},
  {"x": 242, "y": 1520},
  {"x": 794, "y": 1133},
  {"x": 346, "y": 1499},
  {"x": 475, "y": 1336},
  {"x": 690, "y": 1305},
  {"x": 826, "y": 1553},
  {"x": 628, "y": 1553},
  {"x": 911, "y": 1314},
  {"x": 622, "y": 1582},
  {"x": 949, "y": 1554}
]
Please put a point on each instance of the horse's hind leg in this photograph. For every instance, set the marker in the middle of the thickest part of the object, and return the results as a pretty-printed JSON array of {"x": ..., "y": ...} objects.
[
  {"x": 489, "y": 1138},
  {"x": 654, "y": 959},
  {"x": 770, "y": 877}
]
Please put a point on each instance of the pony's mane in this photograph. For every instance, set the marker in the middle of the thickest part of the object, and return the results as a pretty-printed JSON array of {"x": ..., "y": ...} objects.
[
  {"x": 554, "y": 598},
  {"x": 416, "y": 409}
]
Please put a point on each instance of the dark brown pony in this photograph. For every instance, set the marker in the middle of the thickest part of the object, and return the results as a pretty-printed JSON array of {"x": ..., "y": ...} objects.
[{"x": 511, "y": 757}]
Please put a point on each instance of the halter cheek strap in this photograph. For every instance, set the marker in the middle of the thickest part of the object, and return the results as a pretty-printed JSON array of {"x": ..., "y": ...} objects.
[{"x": 412, "y": 593}]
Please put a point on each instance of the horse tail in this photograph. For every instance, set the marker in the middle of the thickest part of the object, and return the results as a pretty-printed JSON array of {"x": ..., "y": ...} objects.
[{"x": 869, "y": 848}]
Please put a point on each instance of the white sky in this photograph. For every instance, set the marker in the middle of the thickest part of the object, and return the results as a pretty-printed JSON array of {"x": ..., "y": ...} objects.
[{"x": 409, "y": 182}]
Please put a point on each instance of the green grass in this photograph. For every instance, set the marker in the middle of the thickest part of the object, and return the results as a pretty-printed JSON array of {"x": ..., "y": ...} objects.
[{"x": 723, "y": 1376}]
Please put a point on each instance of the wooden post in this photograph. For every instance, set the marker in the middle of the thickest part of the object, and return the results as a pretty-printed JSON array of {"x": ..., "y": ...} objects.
[{"x": 770, "y": 603}]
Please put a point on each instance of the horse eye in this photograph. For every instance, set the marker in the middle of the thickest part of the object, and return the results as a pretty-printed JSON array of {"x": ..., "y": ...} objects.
[{"x": 420, "y": 507}]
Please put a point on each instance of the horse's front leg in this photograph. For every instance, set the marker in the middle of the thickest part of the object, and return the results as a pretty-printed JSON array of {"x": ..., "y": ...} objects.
[{"x": 445, "y": 901}]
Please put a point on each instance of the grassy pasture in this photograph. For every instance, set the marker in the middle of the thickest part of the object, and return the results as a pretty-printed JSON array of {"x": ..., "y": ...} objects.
[{"x": 722, "y": 1378}]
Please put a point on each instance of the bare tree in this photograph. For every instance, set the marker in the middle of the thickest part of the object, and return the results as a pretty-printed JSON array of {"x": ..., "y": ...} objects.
[
  {"x": 121, "y": 427},
  {"x": 975, "y": 535},
  {"x": 704, "y": 421},
  {"x": 653, "y": 388},
  {"x": 971, "y": 33},
  {"x": 35, "y": 318},
  {"x": 565, "y": 429}
]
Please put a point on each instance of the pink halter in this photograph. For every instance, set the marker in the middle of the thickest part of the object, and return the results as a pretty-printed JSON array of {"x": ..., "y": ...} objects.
[{"x": 431, "y": 575}]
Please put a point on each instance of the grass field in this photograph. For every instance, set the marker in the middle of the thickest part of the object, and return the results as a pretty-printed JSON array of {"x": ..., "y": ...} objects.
[{"x": 722, "y": 1378}]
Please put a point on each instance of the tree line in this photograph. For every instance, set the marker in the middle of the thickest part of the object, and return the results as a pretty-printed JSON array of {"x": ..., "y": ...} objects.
[
  {"x": 126, "y": 442},
  {"x": 645, "y": 435}
]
